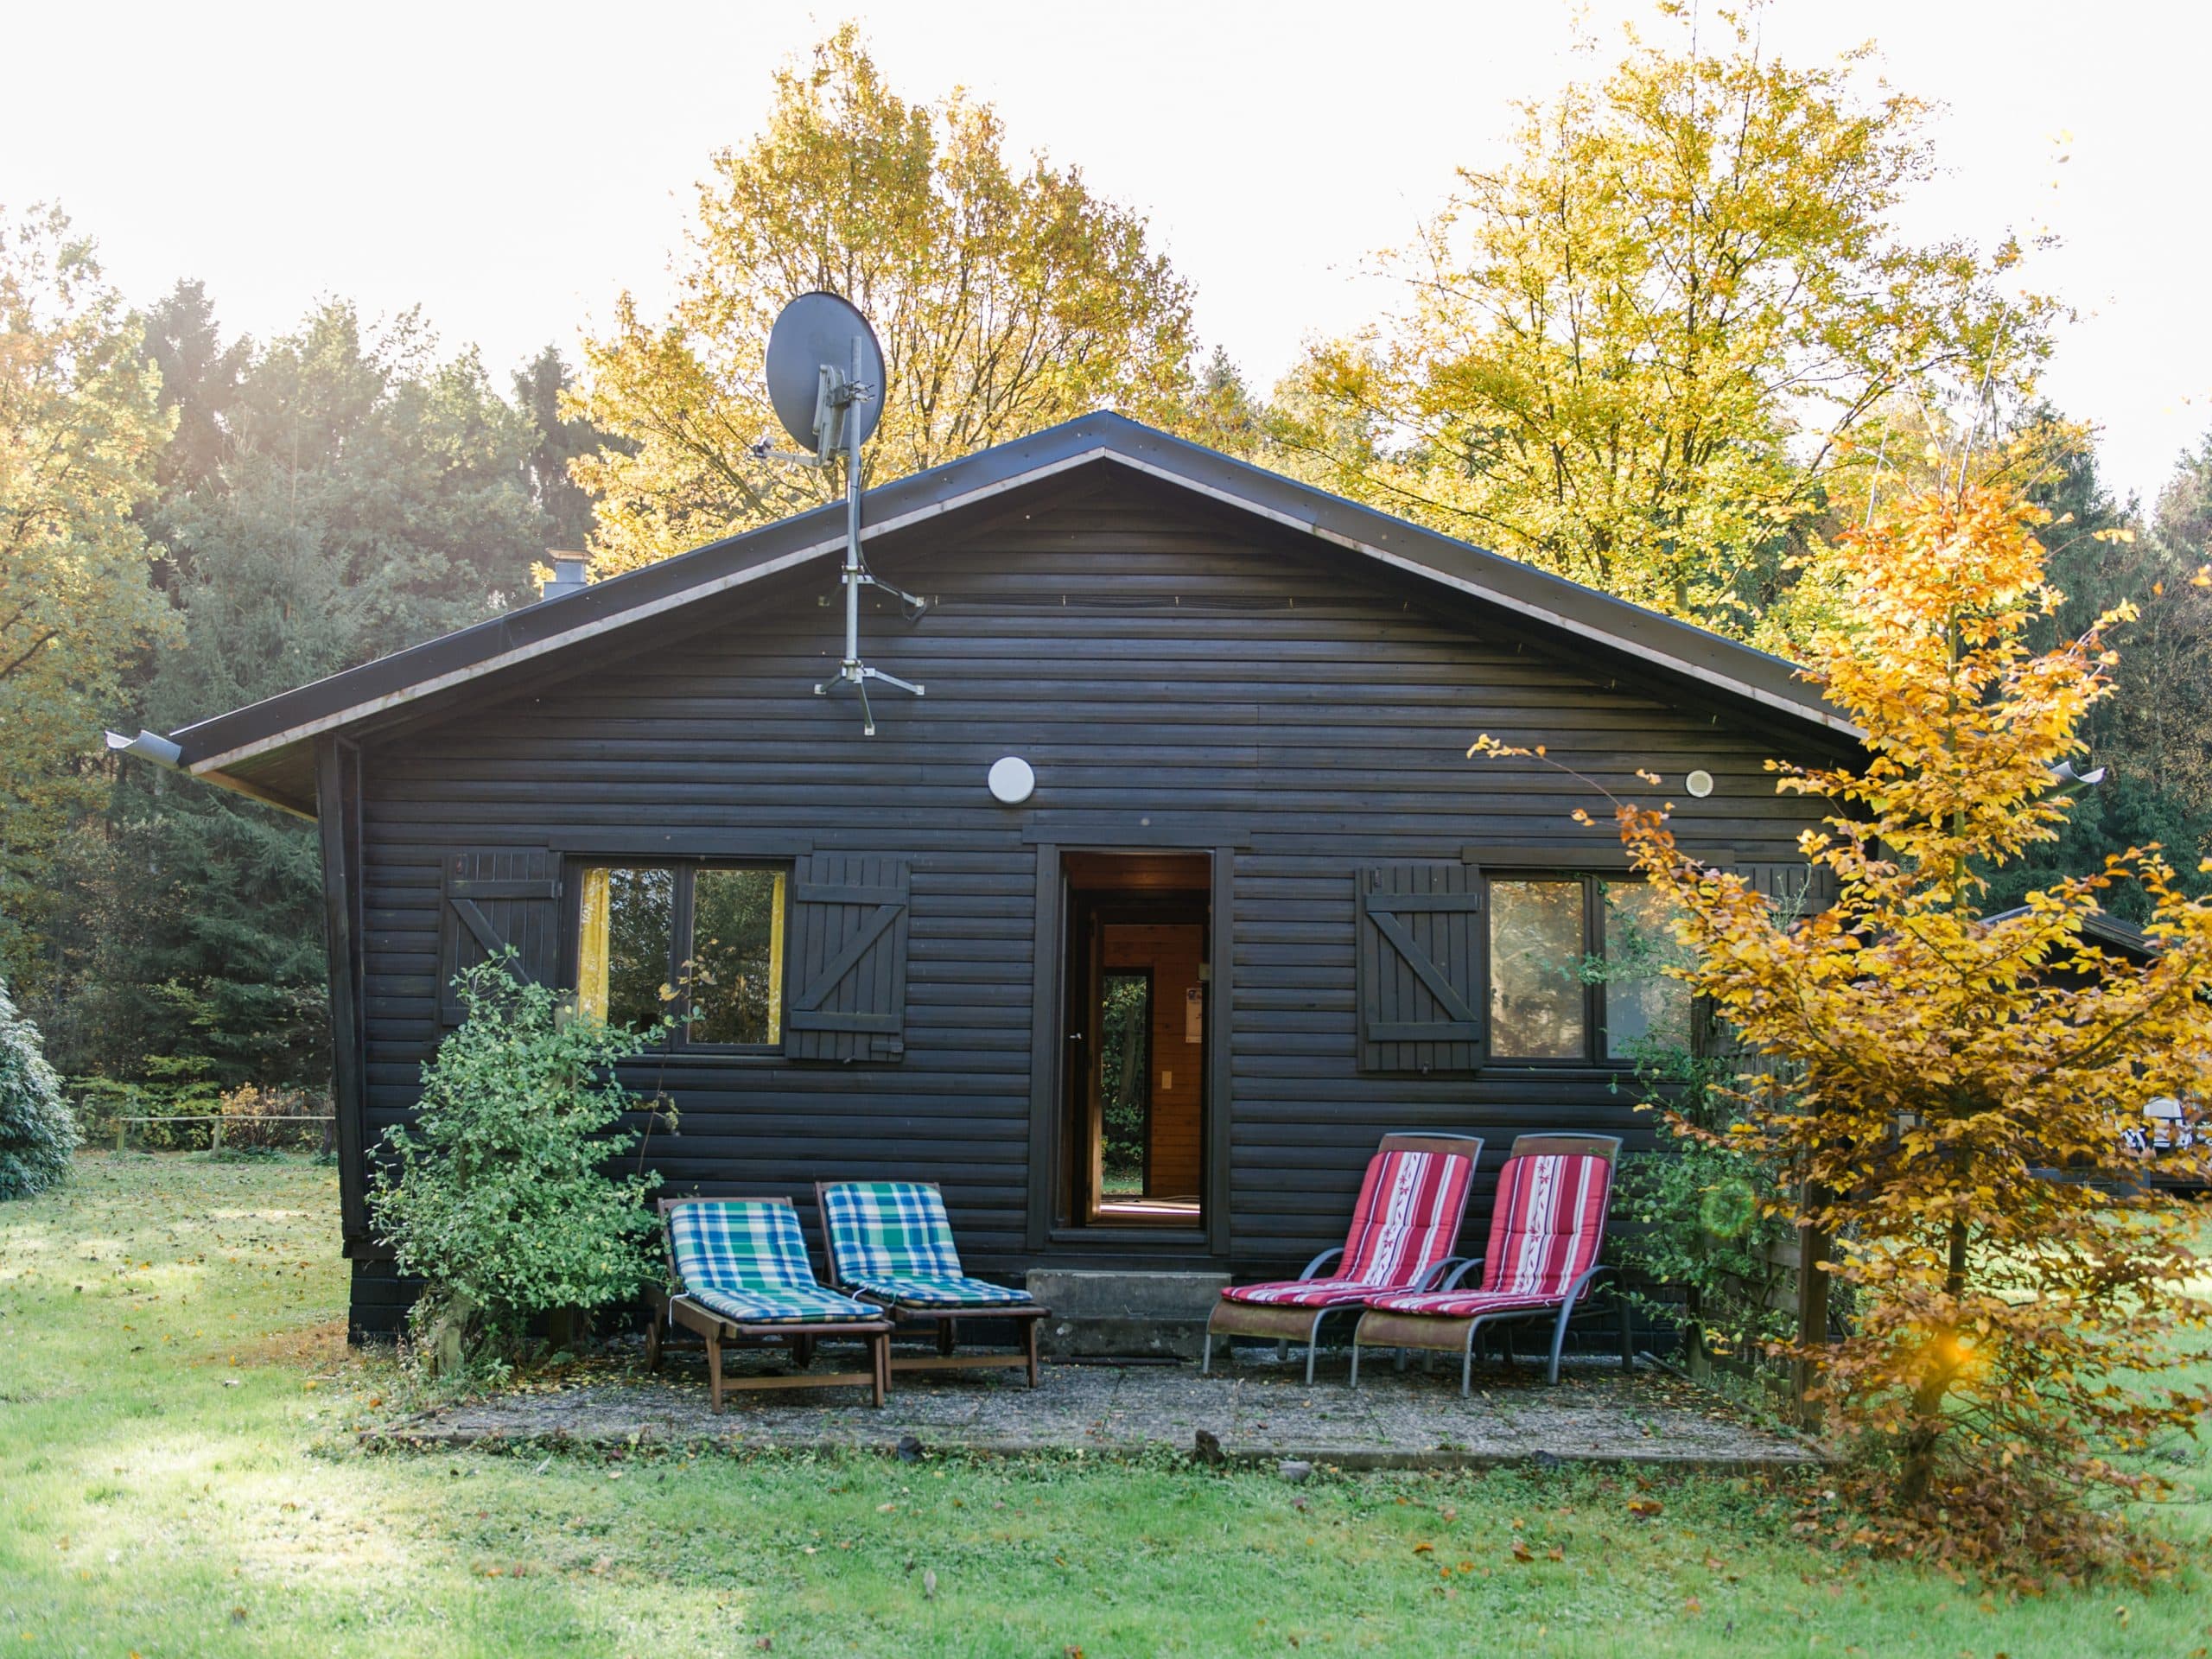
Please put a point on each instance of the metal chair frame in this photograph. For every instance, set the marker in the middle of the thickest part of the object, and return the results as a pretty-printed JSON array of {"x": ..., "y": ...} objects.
[
  {"x": 1605, "y": 1146},
  {"x": 1303, "y": 1325}
]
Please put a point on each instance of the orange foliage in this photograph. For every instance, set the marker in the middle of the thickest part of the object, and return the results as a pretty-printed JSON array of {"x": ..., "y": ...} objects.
[{"x": 1922, "y": 1069}]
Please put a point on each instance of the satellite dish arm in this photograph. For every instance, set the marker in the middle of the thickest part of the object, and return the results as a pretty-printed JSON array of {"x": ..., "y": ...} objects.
[{"x": 856, "y": 576}]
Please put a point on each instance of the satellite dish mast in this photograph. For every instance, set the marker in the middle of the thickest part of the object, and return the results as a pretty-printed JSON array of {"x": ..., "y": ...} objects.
[{"x": 825, "y": 382}]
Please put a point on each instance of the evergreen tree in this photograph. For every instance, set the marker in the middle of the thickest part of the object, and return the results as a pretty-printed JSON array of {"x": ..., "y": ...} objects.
[
  {"x": 2154, "y": 738},
  {"x": 345, "y": 497},
  {"x": 38, "y": 1134},
  {"x": 541, "y": 390}
]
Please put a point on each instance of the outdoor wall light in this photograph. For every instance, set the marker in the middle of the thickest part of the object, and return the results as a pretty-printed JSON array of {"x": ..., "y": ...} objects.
[
  {"x": 1013, "y": 780},
  {"x": 1699, "y": 783}
]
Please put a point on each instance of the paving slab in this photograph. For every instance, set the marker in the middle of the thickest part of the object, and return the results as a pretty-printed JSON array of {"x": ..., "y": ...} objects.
[{"x": 1259, "y": 1411}]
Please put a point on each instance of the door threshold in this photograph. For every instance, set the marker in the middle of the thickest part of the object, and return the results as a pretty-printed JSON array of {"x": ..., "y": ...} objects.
[{"x": 1163, "y": 1237}]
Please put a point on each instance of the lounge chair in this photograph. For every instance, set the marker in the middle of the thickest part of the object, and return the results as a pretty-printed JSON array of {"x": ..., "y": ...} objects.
[
  {"x": 742, "y": 1274},
  {"x": 1402, "y": 1228},
  {"x": 890, "y": 1244},
  {"x": 1545, "y": 1235}
]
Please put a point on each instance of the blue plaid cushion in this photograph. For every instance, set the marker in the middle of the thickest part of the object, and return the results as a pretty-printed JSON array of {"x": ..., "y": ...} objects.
[
  {"x": 888, "y": 1230},
  {"x": 811, "y": 1305},
  {"x": 738, "y": 1244},
  {"x": 940, "y": 1290}
]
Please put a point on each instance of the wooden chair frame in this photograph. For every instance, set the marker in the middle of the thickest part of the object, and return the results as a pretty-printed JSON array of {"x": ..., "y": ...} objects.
[
  {"x": 1445, "y": 1333},
  {"x": 717, "y": 1329},
  {"x": 1287, "y": 1324},
  {"x": 945, "y": 1320}
]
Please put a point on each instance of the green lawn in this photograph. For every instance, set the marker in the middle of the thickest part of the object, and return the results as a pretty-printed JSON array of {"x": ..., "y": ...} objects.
[{"x": 179, "y": 1477}]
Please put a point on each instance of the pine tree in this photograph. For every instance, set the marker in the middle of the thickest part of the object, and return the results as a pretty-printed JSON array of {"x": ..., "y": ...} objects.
[
  {"x": 347, "y": 496},
  {"x": 38, "y": 1134}
]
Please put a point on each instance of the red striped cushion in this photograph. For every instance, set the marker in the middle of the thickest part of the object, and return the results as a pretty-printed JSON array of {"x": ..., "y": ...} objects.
[
  {"x": 1460, "y": 1304},
  {"x": 1301, "y": 1293},
  {"x": 1408, "y": 1215},
  {"x": 1548, "y": 1224}
]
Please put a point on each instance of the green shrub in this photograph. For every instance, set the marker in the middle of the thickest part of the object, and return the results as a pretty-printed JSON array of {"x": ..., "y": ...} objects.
[
  {"x": 499, "y": 1197},
  {"x": 37, "y": 1134},
  {"x": 1709, "y": 1224}
]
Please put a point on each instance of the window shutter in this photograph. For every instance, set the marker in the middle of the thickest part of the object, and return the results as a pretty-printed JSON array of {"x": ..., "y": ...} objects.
[
  {"x": 1419, "y": 967},
  {"x": 1796, "y": 888},
  {"x": 492, "y": 900},
  {"x": 847, "y": 981}
]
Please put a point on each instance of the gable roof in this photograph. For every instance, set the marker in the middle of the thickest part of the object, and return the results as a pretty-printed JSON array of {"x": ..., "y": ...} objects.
[{"x": 248, "y": 748}]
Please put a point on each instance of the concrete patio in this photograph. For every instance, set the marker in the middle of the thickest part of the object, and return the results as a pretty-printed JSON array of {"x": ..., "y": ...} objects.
[{"x": 1258, "y": 1410}]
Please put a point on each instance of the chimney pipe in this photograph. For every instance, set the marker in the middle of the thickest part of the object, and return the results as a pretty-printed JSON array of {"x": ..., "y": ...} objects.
[{"x": 568, "y": 574}]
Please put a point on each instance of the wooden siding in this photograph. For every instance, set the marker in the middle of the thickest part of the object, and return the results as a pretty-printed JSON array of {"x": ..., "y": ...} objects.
[{"x": 1152, "y": 658}]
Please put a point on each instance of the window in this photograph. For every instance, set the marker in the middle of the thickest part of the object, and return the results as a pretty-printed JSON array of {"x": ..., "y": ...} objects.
[
  {"x": 700, "y": 944},
  {"x": 1576, "y": 970},
  {"x": 1644, "y": 1006},
  {"x": 1538, "y": 1010}
]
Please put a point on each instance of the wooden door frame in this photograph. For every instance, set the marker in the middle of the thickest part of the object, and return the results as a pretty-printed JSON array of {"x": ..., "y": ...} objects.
[{"x": 1047, "y": 1004}]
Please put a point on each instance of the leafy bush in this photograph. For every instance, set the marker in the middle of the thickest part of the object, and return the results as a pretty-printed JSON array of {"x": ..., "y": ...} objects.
[
  {"x": 499, "y": 1197},
  {"x": 37, "y": 1134},
  {"x": 256, "y": 1119},
  {"x": 1710, "y": 1223}
]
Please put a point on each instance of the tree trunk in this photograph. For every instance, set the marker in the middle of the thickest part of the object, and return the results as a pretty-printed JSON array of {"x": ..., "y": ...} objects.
[{"x": 1927, "y": 1432}]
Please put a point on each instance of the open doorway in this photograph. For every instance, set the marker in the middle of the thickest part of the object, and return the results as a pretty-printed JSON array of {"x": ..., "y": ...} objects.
[{"x": 1138, "y": 1027}]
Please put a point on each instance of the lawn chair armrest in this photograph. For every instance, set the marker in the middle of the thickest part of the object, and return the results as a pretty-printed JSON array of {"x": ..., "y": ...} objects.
[
  {"x": 1313, "y": 1266},
  {"x": 1465, "y": 1268},
  {"x": 1575, "y": 1290},
  {"x": 1430, "y": 1277}
]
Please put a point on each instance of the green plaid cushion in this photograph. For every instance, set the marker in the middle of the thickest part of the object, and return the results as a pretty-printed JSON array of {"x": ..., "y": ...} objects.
[
  {"x": 888, "y": 1230},
  {"x": 949, "y": 1290}
]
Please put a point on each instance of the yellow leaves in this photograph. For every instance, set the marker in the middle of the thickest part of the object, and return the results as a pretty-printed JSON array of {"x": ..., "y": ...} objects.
[{"x": 1007, "y": 295}]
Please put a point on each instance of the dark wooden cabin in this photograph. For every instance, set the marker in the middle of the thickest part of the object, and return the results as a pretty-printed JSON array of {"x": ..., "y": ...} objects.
[{"x": 1261, "y": 908}]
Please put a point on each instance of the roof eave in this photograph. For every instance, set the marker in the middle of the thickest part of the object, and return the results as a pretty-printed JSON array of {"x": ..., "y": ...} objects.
[{"x": 211, "y": 746}]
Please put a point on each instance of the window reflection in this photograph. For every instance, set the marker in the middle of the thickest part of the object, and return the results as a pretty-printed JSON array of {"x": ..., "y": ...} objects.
[
  {"x": 735, "y": 978},
  {"x": 1644, "y": 1009},
  {"x": 1536, "y": 1001}
]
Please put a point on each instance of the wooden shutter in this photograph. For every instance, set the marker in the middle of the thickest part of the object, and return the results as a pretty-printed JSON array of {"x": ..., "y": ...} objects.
[
  {"x": 847, "y": 979},
  {"x": 1419, "y": 967},
  {"x": 492, "y": 900},
  {"x": 1796, "y": 888}
]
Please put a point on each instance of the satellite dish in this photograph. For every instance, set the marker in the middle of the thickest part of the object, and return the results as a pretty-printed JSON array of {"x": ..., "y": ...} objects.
[
  {"x": 819, "y": 345},
  {"x": 825, "y": 382}
]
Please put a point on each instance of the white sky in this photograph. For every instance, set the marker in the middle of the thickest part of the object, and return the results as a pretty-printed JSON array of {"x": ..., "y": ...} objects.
[{"x": 511, "y": 168}]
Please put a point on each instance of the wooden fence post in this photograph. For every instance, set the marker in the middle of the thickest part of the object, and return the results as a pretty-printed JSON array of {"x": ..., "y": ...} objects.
[{"x": 1812, "y": 1318}]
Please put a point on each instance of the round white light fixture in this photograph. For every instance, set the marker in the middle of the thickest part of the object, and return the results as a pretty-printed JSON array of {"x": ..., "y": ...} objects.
[
  {"x": 1699, "y": 783},
  {"x": 1013, "y": 780}
]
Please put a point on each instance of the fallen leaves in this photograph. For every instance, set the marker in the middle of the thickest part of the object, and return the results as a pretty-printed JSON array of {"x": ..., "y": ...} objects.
[{"x": 1644, "y": 1508}]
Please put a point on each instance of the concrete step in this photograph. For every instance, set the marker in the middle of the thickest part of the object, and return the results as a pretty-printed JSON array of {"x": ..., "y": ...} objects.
[{"x": 1099, "y": 1314}]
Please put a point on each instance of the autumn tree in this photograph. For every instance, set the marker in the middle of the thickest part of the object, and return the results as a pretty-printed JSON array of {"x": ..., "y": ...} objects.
[
  {"x": 1638, "y": 353},
  {"x": 1924, "y": 1068},
  {"x": 81, "y": 427},
  {"x": 1007, "y": 296}
]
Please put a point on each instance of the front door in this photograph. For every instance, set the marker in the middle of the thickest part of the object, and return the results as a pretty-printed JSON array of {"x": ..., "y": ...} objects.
[{"x": 1136, "y": 1040}]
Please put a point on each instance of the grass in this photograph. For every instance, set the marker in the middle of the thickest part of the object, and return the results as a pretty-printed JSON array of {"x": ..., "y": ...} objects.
[{"x": 179, "y": 1477}]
